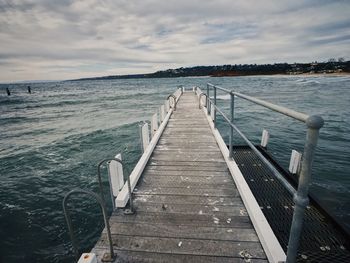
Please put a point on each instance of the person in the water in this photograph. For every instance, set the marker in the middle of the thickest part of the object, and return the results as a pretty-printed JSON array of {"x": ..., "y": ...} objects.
[
  {"x": 8, "y": 92},
  {"x": 29, "y": 89}
]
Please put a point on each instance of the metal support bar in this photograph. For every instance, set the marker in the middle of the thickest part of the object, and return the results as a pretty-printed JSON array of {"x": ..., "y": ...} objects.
[
  {"x": 111, "y": 255},
  {"x": 209, "y": 107},
  {"x": 101, "y": 186},
  {"x": 314, "y": 123},
  {"x": 140, "y": 134},
  {"x": 208, "y": 100},
  {"x": 214, "y": 108},
  {"x": 174, "y": 98},
  {"x": 232, "y": 106},
  {"x": 260, "y": 155}
]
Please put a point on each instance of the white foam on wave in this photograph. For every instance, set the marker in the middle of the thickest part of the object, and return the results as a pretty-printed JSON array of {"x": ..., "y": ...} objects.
[
  {"x": 10, "y": 206},
  {"x": 307, "y": 81},
  {"x": 225, "y": 97}
]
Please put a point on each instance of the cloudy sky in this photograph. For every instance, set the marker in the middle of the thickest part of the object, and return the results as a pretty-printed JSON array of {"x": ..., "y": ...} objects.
[{"x": 64, "y": 39}]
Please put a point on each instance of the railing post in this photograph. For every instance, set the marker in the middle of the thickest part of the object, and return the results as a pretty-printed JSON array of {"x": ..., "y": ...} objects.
[
  {"x": 232, "y": 106},
  {"x": 208, "y": 100},
  {"x": 314, "y": 123},
  {"x": 214, "y": 107}
]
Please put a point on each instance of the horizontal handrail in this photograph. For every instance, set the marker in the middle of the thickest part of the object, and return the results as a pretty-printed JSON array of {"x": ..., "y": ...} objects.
[
  {"x": 220, "y": 88},
  {"x": 288, "y": 112},
  {"x": 286, "y": 184}
]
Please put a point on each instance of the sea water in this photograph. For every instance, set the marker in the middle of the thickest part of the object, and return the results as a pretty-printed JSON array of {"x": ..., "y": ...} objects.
[{"x": 52, "y": 139}]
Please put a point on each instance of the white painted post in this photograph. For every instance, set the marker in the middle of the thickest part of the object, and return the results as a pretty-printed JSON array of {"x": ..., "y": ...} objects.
[
  {"x": 162, "y": 113},
  {"x": 203, "y": 100},
  {"x": 154, "y": 124},
  {"x": 212, "y": 109},
  {"x": 294, "y": 163},
  {"x": 167, "y": 105},
  {"x": 144, "y": 136},
  {"x": 115, "y": 171},
  {"x": 264, "y": 138}
]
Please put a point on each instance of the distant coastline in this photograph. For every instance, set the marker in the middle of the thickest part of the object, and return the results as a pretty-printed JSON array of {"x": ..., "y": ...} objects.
[{"x": 330, "y": 68}]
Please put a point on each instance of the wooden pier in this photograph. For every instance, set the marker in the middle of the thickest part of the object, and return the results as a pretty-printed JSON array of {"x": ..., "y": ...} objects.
[
  {"x": 188, "y": 208},
  {"x": 199, "y": 200}
]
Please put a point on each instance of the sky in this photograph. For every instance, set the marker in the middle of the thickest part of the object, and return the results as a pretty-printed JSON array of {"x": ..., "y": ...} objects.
[{"x": 67, "y": 39}]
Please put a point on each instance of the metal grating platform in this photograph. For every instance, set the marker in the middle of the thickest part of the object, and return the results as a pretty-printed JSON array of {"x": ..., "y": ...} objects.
[{"x": 322, "y": 240}]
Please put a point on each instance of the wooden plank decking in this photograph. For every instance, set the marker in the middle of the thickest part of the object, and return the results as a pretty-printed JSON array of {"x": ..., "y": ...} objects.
[{"x": 188, "y": 208}]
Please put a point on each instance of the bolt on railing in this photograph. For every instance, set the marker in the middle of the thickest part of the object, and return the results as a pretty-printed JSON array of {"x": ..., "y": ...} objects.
[{"x": 313, "y": 123}]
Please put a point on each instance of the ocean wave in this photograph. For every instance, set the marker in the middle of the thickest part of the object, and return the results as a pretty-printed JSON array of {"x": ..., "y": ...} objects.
[
  {"x": 332, "y": 186},
  {"x": 307, "y": 81},
  {"x": 48, "y": 154}
]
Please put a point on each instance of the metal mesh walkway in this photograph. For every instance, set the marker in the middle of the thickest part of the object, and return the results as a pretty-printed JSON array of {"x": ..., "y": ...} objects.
[{"x": 321, "y": 239}]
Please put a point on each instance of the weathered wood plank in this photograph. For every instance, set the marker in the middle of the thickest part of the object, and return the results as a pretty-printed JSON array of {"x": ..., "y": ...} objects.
[
  {"x": 183, "y": 126},
  {"x": 154, "y": 257},
  {"x": 152, "y": 171},
  {"x": 199, "y": 148},
  {"x": 170, "y": 150},
  {"x": 189, "y": 156},
  {"x": 187, "y": 130},
  {"x": 190, "y": 200},
  {"x": 211, "y": 179},
  {"x": 187, "y": 168},
  {"x": 184, "y": 231},
  {"x": 183, "y": 184},
  {"x": 178, "y": 160},
  {"x": 187, "y": 246},
  {"x": 179, "y": 141},
  {"x": 192, "y": 209},
  {"x": 223, "y": 220},
  {"x": 187, "y": 191},
  {"x": 183, "y": 138},
  {"x": 193, "y": 134}
]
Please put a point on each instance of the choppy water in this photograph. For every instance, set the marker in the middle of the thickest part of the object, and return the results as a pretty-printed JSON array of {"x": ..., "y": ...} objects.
[{"x": 52, "y": 139}]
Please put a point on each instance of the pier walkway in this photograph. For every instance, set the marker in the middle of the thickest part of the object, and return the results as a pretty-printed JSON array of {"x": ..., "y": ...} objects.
[{"x": 188, "y": 208}]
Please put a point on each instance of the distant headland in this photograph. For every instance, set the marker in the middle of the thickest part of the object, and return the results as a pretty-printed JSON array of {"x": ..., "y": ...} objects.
[{"x": 332, "y": 66}]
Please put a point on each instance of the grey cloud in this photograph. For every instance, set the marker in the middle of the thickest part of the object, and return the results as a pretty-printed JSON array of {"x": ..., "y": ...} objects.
[
  {"x": 332, "y": 27},
  {"x": 73, "y": 38},
  {"x": 330, "y": 40}
]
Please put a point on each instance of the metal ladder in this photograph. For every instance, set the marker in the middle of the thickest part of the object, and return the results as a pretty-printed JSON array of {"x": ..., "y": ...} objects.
[{"x": 107, "y": 257}]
